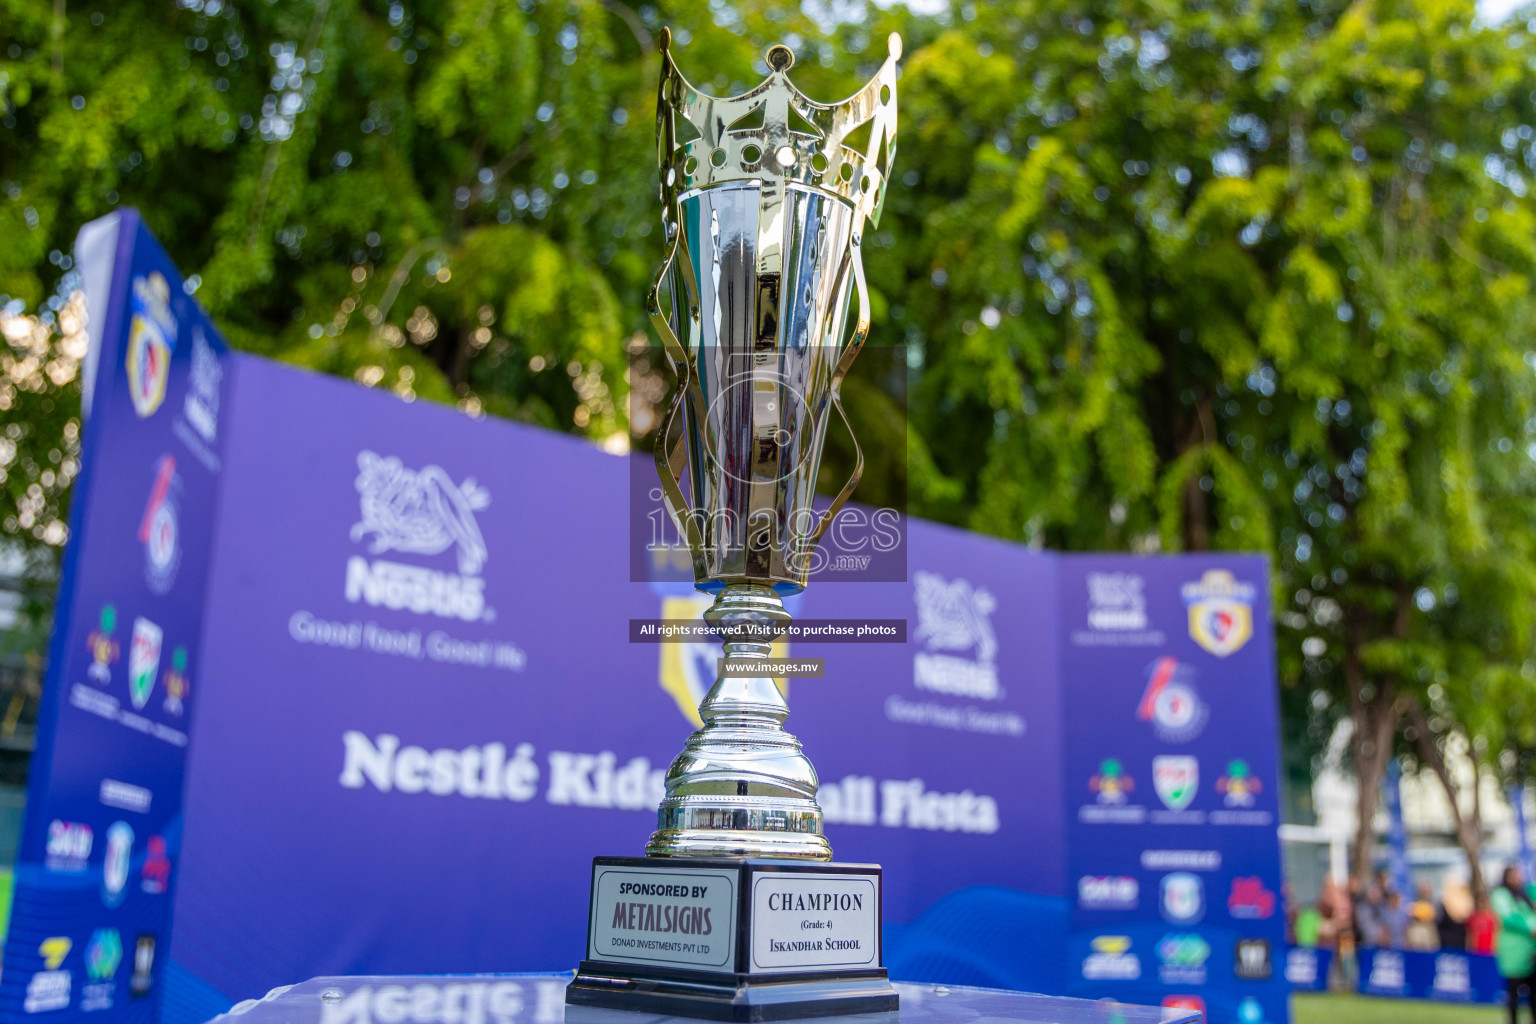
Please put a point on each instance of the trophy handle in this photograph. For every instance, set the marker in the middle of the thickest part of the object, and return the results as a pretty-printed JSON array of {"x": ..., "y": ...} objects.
[
  {"x": 853, "y": 478},
  {"x": 671, "y": 487},
  {"x": 860, "y": 333},
  {"x": 677, "y": 353}
]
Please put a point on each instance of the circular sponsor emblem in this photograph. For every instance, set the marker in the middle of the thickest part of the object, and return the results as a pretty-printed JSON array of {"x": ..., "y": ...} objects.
[
  {"x": 162, "y": 551},
  {"x": 1176, "y": 707}
]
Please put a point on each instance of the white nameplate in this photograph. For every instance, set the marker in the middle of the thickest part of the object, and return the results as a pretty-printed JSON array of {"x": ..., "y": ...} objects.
[
  {"x": 664, "y": 917},
  {"x": 814, "y": 922}
]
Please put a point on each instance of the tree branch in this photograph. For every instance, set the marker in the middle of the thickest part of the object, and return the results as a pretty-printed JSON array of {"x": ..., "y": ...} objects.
[
  {"x": 1470, "y": 838},
  {"x": 630, "y": 18}
]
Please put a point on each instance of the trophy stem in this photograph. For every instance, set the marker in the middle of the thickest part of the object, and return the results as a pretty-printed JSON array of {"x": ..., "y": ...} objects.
[{"x": 742, "y": 787}]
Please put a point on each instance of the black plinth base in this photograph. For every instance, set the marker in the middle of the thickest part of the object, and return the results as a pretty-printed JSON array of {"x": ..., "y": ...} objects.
[
  {"x": 733, "y": 940},
  {"x": 731, "y": 997}
]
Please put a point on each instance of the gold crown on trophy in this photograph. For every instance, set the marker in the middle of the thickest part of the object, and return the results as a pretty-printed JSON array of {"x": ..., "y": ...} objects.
[{"x": 777, "y": 134}]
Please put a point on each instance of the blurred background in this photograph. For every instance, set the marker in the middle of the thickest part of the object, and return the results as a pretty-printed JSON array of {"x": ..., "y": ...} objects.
[{"x": 1151, "y": 277}]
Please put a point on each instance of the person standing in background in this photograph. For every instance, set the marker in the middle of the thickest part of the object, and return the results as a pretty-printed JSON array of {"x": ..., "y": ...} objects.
[
  {"x": 1346, "y": 963},
  {"x": 1307, "y": 927},
  {"x": 1331, "y": 910},
  {"x": 1451, "y": 916},
  {"x": 1516, "y": 945},
  {"x": 1394, "y": 923},
  {"x": 1370, "y": 924},
  {"x": 1422, "y": 935},
  {"x": 1482, "y": 928}
]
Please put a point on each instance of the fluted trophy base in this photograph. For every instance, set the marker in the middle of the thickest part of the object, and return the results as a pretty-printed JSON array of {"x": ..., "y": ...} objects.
[
  {"x": 742, "y": 787},
  {"x": 725, "y": 842},
  {"x": 731, "y": 939}
]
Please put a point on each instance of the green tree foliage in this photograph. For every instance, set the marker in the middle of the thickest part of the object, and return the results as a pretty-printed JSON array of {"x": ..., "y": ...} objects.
[
  {"x": 452, "y": 199},
  {"x": 1163, "y": 276},
  {"x": 1248, "y": 276}
]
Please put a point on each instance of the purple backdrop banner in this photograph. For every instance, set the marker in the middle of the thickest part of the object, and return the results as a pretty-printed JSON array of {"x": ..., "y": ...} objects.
[
  {"x": 420, "y": 716},
  {"x": 1171, "y": 738},
  {"x": 95, "y": 873},
  {"x": 443, "y": 706}
]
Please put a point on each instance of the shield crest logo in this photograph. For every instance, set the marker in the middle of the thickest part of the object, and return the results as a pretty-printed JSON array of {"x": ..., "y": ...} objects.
[
  {"x": 1183, "y": 897},
  {"x": 1220, "y": 611},
  {"x": 151, "y": 340},
  {"x": 149, "y": 365},
  {"x": 143, "y": 660},
  {"x": 1176, "y": 777},
  {"x": 114, "y": 867},
  {"x": 1221, "y": 626}
]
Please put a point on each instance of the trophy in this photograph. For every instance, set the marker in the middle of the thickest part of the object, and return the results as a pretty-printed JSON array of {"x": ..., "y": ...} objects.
[{"x": 734, "y": 913}]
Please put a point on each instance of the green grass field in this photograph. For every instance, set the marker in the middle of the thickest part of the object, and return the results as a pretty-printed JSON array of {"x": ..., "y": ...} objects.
[{"x": 1341, "y": 1009}]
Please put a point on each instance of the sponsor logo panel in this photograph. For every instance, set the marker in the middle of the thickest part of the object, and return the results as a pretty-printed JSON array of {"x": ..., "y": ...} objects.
[
  {"x": 1252, "y": 960},
  {"x": 1453, "y": 977},
  {"x": 1171, "y": 703},
  {"x": 1116, "y": 601},
  {"x": 201, "y": 408},
  {"x": 143, "y": 965},
  {"x": 1220, "y": 611},
  {"x": 115, "y": 864},
  {"x": 1239, "y": 787},
  {"x": 1111, "y": 787},
  {"x": 1108, "y": 892},
  {"x": 1111, "y": 959},
  {"x": 1176, "y": 779},
  {"x": 1182, "y": 897},
  {"x": 1181, "y": 860},
  {"x": 54, "y": 950},
  {"x": 1250, "y": 1012},
  {"x": 160, "y": 528},
  {"x": 155, "y": 875},
  {"x": 1249, "y": 899},
  {"x": 954, "y": 623},
  {"x": 69, "y": 846},
  {"x": 1301, "y": 967},
  {"x": 103, "y": 953},
  {"x": 143, "y": 660},
  {"x": 125, "y": 795},
  {"x": 151, "y": 341},
  {"x": 103, "y": 646},
  {"x": 418, "y": 512},
  {"x": 1181, "y": 958},
  {"x": 176, "y": 682},
  {"x": 1117, "y": 613},
  {"x": 685, "y": 920},
  {"x": 50, "y": 988}
]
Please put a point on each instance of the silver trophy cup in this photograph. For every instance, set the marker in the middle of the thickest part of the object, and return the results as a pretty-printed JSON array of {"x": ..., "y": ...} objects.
[
  {"x": 733, "y": 915},
  {"x": 765, "y": 206}
]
